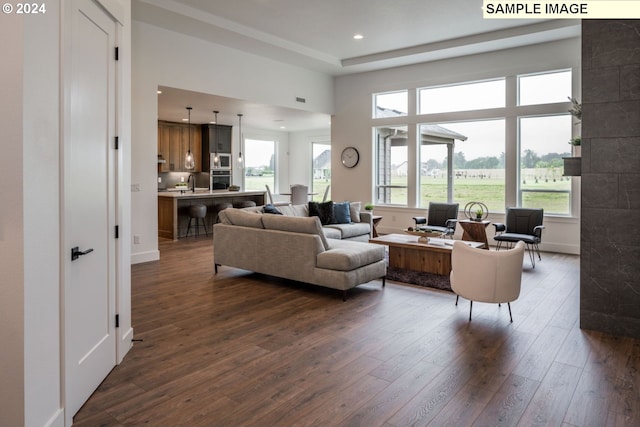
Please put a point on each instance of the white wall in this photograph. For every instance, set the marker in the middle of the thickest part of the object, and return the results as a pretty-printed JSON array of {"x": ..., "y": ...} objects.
[
  {"x": 30, "y": 254},
  {"x": 30, "y": 383},
  {"x": 166, "y": 58},
  {"x": 12, "y": 387},
  {"x": 352, "y": 124}
]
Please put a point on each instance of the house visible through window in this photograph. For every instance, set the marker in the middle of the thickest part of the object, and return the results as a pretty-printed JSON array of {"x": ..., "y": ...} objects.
[{"x": 321, "y": 167}]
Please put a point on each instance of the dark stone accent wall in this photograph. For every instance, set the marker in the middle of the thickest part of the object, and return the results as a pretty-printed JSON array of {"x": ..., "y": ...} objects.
[{"x": 610, "y": 219}]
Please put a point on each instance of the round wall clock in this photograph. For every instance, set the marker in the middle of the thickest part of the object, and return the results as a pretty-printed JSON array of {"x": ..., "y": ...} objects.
[{"x": 350, "y": 157}]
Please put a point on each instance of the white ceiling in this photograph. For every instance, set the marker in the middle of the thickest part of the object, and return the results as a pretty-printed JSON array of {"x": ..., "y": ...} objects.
[{"x": 318, "y": 34}]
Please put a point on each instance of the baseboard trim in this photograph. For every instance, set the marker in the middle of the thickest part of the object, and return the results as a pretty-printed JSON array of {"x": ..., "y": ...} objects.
[{"x": 141, "y": 257}]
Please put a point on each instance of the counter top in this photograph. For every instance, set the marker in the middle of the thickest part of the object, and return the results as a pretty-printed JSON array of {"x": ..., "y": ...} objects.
[
  {"x": 173, "y": 208},
  {"x": 207, "y": 193}
]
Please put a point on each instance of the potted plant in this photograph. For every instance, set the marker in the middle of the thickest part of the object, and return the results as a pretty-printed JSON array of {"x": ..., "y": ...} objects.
[
  {"x": 368, "y": 207},
  {"x": 479, "y": 213}
]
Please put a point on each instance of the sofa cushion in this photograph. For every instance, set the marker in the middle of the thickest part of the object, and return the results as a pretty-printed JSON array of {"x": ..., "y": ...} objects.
[
  {"x": 350, "y": 230},
  {"x": 295, "y": 210},
  {"x": 240, "y": 217},
  {"x": 306, "y": 225},
  {"x": 347, "y": 256},
  {"x": 341, "y": 213},
  {"x": 322, "y": 210},
  {"x": 332, "y": 233},
  {"x": 354, "y": 209}
]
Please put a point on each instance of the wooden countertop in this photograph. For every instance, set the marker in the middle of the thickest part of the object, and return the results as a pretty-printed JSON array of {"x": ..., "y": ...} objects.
[{"x": 207, "y": 194}]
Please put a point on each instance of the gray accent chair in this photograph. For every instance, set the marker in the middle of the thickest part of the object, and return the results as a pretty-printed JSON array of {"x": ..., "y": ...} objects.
[
  {"x": 521, "y": 224},
  {"x": 442, "y": 217}
]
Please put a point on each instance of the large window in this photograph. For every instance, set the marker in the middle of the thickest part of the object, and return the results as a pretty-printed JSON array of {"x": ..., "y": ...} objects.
[
  {"x": 259, "y": 164},
  {"x": 390, "y": 104},
  {"x": 502, "y": 145},
  {"x": 321, "y": 167},
  {"x": 392, "y": 158},
  {"x": 478, "y": 163},
  {"x": 543, "y": 143},
  {"x": 462, "y": 97},
  {"x": 544, "y": 88}
]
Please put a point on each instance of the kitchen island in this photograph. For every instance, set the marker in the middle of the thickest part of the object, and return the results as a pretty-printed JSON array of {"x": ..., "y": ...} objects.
[{"x": 173, "y": 207}]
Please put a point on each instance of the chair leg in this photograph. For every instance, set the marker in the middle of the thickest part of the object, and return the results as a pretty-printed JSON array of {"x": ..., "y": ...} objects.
[
  {"x": 470, "y": 309},
  {"x": 531, "y": 255},
  {"x": 457, "y": 297},
  {"x": 510, "y": 316},
  {"x": 538, "y": 251},
  {"x": 384, "y": 278},
  {"x": 188, "y": 228},
  {"x": 344, "y": 295}
]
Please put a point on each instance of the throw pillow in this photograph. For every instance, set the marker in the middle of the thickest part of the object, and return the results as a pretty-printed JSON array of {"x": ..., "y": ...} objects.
[
  {"x": 324, "y": 211},
  {"x": 341, "y": 213},
  {"x": 270, "y": 209},
  {"x": 355, "y": 208}
]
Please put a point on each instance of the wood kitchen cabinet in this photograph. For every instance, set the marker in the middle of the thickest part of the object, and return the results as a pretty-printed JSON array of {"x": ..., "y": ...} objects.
[
  {"x": 173, "y": 142},
  {"x": 209, "y": 143}
]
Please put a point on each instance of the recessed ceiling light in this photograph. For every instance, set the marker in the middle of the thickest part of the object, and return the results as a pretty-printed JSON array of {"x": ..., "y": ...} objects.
[
  {"x": 358, "y": 37},
  {"x": 283, "y": 127},
  {"x": 184, "y": 120},
  {"x": 159, "y": 92}
]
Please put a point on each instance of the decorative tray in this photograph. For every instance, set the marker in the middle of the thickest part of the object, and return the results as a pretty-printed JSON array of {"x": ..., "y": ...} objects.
[{"x": 424, "y": 235}]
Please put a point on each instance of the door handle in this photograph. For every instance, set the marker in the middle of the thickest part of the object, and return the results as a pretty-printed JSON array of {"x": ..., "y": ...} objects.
[{"x": 77, "y": 253}]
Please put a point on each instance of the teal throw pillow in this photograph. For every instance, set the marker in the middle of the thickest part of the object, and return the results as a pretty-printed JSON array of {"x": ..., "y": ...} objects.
[{"x": 342, "y": 213}]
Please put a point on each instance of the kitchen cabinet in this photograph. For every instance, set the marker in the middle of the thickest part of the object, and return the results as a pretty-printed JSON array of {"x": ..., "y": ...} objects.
[
  {"x": 173, "y": 142},
  {"x": 211, "y": 145}
]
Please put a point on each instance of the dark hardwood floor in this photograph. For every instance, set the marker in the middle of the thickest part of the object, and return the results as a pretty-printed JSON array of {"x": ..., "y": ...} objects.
[{"x": 241, "y": 349}]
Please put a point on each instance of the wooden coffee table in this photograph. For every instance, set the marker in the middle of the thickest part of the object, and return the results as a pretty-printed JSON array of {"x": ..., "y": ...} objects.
[{"x": 405, "y": 252}]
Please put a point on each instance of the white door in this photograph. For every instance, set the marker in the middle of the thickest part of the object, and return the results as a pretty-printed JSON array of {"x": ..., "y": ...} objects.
[{"x": 89, "y": 205}]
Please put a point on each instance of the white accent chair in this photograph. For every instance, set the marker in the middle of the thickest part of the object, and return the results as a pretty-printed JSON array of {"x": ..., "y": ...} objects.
[
  {"x": 485, "y": 275},
  {"x": 271, "y": 201},
  {"x": 299, "y": 194}
]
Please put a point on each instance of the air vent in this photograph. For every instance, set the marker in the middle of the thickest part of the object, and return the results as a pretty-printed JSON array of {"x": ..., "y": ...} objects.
[{"x": 298, "y": 99}]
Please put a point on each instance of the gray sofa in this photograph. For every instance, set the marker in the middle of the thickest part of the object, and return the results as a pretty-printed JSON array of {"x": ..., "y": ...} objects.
[
  {"x": 296, "y": 248},
  {"x": 359, "y": 229}
]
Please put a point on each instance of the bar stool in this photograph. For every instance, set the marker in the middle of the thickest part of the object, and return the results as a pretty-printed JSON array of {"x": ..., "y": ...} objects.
[
  {"x": 197, "y": 212},
  {"x": 219, "y": 207},
  {"x": 244, "y": 204}
]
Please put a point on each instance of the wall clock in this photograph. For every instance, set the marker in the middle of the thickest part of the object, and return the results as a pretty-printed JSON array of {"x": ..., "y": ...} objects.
[{"x": 350, "y": 157}]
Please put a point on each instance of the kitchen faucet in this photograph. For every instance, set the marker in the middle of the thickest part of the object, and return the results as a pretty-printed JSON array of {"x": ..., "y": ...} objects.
[{"x": 193, "y": 185}]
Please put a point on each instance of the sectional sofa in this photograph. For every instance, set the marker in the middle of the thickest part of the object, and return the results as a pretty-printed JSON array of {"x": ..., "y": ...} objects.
[{"x": 294, "y": 247}]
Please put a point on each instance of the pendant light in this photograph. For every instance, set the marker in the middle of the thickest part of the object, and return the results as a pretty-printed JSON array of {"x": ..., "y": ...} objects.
[
  {"x": 189, "y": 162},
  {"x": 215, "y": 157},
  {"x": 240, "y": 138}
]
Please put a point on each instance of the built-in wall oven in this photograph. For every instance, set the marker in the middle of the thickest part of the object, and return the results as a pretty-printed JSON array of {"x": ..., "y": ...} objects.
[{"x": 220, "y": 179}]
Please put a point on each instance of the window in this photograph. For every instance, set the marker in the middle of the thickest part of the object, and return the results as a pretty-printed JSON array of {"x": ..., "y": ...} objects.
[
  {"x": 391, "y": 154},
  {"x": 321, "y": 168},
  {"x": 462, "y": 97},
  {"x": 390, "y": 104},
  {"x": 495, "y": 152},
  {"x": 544, "y": 88},
  {"x": 478, "y": 150},
  {"x": 543, "y": 143},
  {"x": 259, "y": 167}
]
